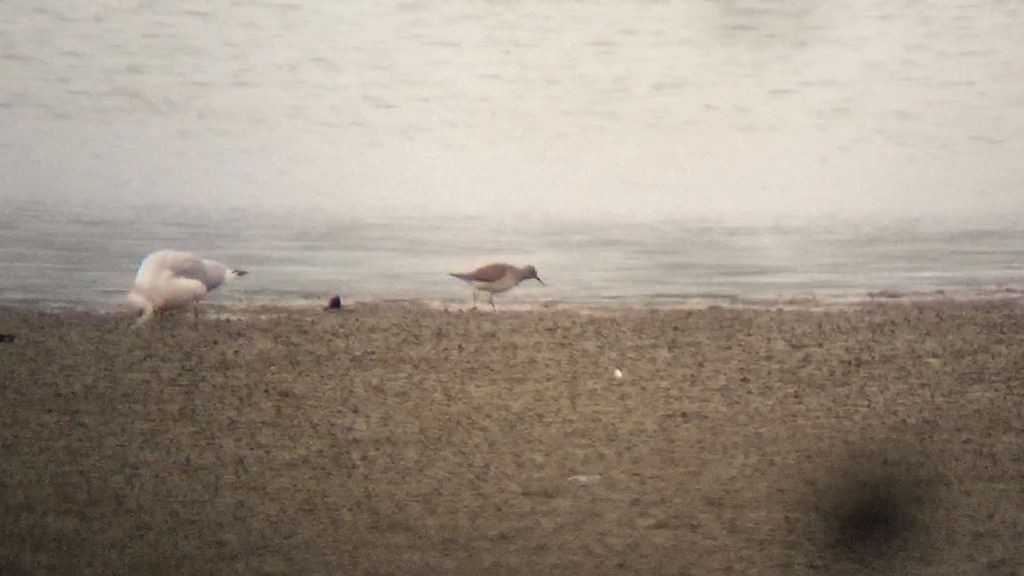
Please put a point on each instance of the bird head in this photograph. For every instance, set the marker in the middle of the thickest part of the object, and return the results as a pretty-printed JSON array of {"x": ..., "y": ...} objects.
[
  {"x": 139, "y": 306},
  {"x": 530, "y": 273}
]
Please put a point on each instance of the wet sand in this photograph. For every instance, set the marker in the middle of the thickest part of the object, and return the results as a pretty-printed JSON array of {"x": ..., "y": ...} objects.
[{"x": 400, "y": 439}]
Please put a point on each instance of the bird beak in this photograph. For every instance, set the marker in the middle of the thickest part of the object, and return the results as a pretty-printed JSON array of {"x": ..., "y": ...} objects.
[{"x": 541, "y": 281}]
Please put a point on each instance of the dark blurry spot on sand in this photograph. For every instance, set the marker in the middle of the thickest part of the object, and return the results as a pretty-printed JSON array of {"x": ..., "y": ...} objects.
[{"x": 873, "y": 503}]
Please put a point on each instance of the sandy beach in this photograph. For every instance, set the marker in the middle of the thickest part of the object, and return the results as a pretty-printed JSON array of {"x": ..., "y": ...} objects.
[{"x": 396, "y": 438}]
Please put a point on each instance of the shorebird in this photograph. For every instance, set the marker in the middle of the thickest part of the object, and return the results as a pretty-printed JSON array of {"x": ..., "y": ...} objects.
[
  {"x": 494, "y": 278},
  {"x": 169, "y": 279}
]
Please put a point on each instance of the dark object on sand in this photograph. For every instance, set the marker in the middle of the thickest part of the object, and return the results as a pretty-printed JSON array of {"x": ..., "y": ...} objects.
[
  {"x": 334, "y": 303},
  {"x": 875, "y": 507},
  {"x": 7, "y": 338}
]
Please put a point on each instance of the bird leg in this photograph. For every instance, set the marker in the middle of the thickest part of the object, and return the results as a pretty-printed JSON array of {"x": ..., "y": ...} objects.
[
  {"x": 474, "y": 299},
  {"x": 492, "y": 302},
  {"x": 195, "y": 312},
  {"x": 159, "y": 319}
]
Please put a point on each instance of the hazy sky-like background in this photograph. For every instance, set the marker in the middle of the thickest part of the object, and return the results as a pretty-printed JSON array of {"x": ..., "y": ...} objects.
[{"x": 630, "y": 110}]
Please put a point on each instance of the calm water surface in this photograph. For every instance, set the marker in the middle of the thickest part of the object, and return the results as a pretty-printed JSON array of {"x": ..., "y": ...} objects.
[{"x": 634, "y": 152}]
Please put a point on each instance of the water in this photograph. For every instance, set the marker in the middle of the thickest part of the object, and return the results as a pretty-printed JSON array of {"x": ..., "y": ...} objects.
[
  {"x": 635, "y": 152},
  {"x": 299, "y": 258}
]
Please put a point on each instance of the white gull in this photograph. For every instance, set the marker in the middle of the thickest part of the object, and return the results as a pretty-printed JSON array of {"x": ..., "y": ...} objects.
[{"x": 169, "y": 279}]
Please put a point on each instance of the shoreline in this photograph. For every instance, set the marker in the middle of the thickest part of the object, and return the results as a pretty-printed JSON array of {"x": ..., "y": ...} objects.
[{"x": 810, "y": 301}]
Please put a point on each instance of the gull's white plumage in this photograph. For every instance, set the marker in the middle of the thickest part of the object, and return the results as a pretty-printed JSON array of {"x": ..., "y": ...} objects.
[{"x": 170, "y": 279}]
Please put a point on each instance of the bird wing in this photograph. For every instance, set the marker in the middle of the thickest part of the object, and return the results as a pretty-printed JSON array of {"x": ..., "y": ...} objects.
[
  {"x": 189, "y": 266},
  {"x": 488, "y": 273},
  {"x": 163, "y": 263},
  {"x": 214, "y": 274}
]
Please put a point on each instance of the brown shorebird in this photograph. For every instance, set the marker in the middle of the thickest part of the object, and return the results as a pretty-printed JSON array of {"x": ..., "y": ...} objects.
[{"x": 494, "y": 278}]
